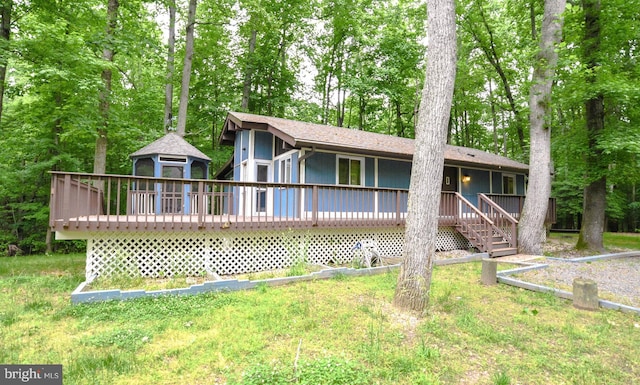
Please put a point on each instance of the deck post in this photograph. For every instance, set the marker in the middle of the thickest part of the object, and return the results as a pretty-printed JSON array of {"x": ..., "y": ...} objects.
[
  {"x": 66, "y": 202},
  {"x": 314, "y": 206},
  {"x": 398, "y": 207},
  {"x": 201, "y": 204}
]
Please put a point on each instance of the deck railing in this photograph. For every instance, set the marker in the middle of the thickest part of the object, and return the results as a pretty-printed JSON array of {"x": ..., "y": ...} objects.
[
  {"x": 82, "y": 202},
  {"x": 90, "y": 202},
  {"x": 513, "y": 205}
]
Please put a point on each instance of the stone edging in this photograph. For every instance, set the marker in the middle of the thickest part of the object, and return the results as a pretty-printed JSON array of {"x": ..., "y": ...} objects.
[
  {"x": 80, "y": 296},
  {"x": 503, "y": 277}
]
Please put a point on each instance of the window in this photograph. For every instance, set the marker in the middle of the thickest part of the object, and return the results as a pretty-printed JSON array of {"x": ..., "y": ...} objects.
[
  {"x": 198, "y": 170},
  {"x": 262, "y": 175},
  {"x": 508, "y": 184},
  {"x": 144, "y": 167},
  {"x": 280, "y": 147},
  {"x": 350, "y": 171},
  {"x": 285, "y": 171}
]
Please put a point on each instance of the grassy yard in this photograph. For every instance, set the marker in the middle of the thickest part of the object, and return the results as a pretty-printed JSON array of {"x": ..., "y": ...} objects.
[
  {"x": 339, "y": 331},
  {"x": 611, "y": 240}
]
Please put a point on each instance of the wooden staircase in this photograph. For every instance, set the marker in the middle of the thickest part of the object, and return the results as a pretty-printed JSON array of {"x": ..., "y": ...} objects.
[{"x": 488, "y": 227}]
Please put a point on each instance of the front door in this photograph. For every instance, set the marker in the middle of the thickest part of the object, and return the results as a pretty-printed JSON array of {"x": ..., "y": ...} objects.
[
  {"x": 172, "y": 200},
  {"x": 450, "y": 179}
]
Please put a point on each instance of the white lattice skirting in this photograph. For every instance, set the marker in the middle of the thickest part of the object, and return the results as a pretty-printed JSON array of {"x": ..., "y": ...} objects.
[{"x": 160, "y": 254}]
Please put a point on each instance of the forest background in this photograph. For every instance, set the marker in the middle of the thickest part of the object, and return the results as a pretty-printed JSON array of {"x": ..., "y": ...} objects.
[{"x": 351, "y": 63}]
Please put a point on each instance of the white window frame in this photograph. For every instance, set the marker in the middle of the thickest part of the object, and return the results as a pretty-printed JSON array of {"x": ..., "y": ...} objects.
[
  {"x": 515, "y": 187},
  {"x": 350, "y": 158},
  {"x": 284, "y": 170},
  {"x": 257, "y": 190}
]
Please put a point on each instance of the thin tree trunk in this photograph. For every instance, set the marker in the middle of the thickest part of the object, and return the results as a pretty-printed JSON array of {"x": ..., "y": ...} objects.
[
  {"x": 494, "y": 119},
  {"x": 248, "y": 73},
  {"x": 186, "y": 70},
  {"x": 414, "y": 279},
  {"x": 531, "y": 230},
  {"x": 490, "y": 52},
  {"x": 595, "y": 193},
  {"x": 532, "y": 19},
  {"x": 5, "y": 32},
  {"x": 168, "y": 90},
  {"x": 100, "y": 156}
]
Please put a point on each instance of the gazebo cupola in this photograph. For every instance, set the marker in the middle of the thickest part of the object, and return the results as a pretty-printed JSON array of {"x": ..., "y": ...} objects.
[{"x": 170, "y": 157}]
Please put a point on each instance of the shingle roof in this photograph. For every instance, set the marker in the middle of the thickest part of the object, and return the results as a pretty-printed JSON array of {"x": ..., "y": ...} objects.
[
  {"x": 171, "y": 144},
  {"x": 301, "y": 134}
]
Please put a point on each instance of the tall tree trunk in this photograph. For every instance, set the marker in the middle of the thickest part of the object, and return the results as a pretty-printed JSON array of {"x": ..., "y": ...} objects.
[
  {"x": 595, "y": 193},
  {"x": 414, "y": 280},
  {"x": 494, "y": 119},
  {"x": 5, "y": 32},
  {"x": 100, "y": 156},
  {"x": 248, "y": 73},
  {"x": 186, "y": 70},
  {"x": 168, "y": 90},
  {"x": 531, "y": 230},
  {"x": 489, "y": 49}
]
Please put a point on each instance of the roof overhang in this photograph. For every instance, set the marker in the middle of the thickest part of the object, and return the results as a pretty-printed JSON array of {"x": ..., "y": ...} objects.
[{"x": 339, "y": 139}]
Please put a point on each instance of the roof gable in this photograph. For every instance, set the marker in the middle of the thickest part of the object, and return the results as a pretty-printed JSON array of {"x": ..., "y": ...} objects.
[
  {"x": 171, "y": 144},
  {"x": 320, "y": 136}
]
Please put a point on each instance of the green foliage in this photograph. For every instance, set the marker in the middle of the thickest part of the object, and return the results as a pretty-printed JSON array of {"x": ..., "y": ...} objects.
[
  {"x": 123, "y": 339},
  {"x": 327, "y": 370},
  {"x": 356, "y": 63},
  {"x": 501, "y": 378}
]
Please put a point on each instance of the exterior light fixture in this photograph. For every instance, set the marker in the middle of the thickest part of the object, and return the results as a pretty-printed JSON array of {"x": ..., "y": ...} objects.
[{"x": 466, "y": 178}]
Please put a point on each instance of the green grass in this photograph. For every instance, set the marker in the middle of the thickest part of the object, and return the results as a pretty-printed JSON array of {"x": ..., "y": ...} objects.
[
  {"x": 611, "y": 240},
  {"x": 338, "y": 331}
]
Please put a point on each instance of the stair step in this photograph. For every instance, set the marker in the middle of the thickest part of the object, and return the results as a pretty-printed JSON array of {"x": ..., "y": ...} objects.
[{"x": 504, "y": 252}]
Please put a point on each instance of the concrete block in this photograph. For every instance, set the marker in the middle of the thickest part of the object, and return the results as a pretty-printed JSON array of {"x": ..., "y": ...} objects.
[
  {"x": 489, "y": 271},
  {"x": 585, "y": 294}
]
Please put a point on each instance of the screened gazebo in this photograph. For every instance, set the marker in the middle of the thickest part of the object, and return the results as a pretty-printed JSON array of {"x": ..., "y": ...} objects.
[{"x": 173, "y": 159}]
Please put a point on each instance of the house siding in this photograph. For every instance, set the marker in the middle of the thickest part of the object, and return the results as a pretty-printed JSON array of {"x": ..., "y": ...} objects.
[
  {"x": 480, "y": 183},
  {"x": 496, "y": 182},
  {"x": 320, "y": 168},
  {"x": 370, "y": 172},
  {"x": 242, "y": 146},
  {"x": 263, "y": 145},
  {"x": 393, "y": 173},
  {"x": 520, "y": 190}
]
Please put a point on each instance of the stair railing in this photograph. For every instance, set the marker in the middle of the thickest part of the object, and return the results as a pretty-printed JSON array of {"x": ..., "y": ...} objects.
[
  {"x": 505, "y": 224},
  {"x": 477, "y": 226}
]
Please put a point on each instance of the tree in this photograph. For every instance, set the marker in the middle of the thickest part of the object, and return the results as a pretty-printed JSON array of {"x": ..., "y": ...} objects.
[
  {"x": 186, "y": 70},
  {"x": 5, "y": 31},
  {"x": 479, "y": 24},
  {"x": 414, "y": 279},
  {"x": 100, "y": 156},
  {"x": 595, "y": 192},
  {"x": 171, "y": 45},
  {"x": 531, "y": 231}
]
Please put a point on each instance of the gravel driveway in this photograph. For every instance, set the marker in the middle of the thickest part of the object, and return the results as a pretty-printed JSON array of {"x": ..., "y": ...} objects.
[{"x": 618, "y": 280}]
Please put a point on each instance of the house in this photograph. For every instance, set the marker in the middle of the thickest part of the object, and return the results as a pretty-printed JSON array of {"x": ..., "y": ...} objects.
[{"x": 291, "y": 190}]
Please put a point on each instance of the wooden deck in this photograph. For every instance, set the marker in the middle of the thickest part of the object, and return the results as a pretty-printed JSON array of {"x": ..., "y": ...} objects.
[
  {"x": 211, "y": 222},
  {"x": 82, "y": 203}
]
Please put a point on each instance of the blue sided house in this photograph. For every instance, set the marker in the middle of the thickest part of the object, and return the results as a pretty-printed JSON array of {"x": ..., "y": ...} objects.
[{"x": 291, "y": 190}]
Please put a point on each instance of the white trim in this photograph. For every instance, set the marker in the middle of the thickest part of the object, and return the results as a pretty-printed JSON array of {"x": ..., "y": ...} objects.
[
  {"x": 349, "y": 157},
  {"x": 515, "y": 181}
]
